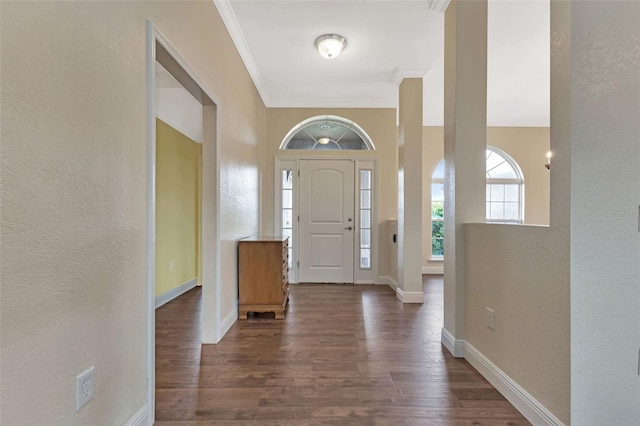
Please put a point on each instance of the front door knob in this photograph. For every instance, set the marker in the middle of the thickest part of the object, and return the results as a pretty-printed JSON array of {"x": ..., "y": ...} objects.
[{"x": 348, "y": 227}]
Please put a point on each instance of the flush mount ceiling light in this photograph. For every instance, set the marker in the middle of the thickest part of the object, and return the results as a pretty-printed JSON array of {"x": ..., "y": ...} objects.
[
  {"x": 324, "y": 141},
  {"x": 330, "y": 45}
]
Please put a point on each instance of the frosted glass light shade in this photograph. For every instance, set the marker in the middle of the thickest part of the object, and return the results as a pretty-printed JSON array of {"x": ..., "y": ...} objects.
[{"x": 330, "y": 45}]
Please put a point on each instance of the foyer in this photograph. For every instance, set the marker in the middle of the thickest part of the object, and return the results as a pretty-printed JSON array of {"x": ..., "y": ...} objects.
[{"x": 344, "y": 355}]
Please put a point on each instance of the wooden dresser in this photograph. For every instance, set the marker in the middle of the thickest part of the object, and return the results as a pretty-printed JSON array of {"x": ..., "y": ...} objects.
[{"x": 263, "y": 275}]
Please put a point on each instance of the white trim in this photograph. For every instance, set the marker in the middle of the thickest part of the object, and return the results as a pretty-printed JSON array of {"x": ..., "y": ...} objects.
[
  {"x": 371, "y": 273},
  {"x": 438, "y": 5},
  {"x": 210, "y": 316},
  {"x": 388, "y": 281},
  {"x": 140, "y": 418},
  {"x": 409, "y": 296},
  {"x": 213, "y": 321},
  {"x": 229, "y": 320},
  {"x": 433, "y": 270},
  {"x": 286, "y": 163},
  {"x": 453, "y": 345},
  {"x": 233, "y": 26},
  {"x": 331, "y": 103},
  {"x": 319, "y": 118},
  {"x": 379, "y": 281},
  {"x": 522, "y": 400},
  {"x": 402, "y": 73},
  {"x": 361, "y": 276},
  {"x": 175, "y": 292},
  {"x": 151, "y": 218},
  {"x": 176, "y": 124}
]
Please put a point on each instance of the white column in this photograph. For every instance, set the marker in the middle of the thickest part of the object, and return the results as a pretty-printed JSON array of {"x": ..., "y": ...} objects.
[
  {"x": 410, "y": 192},
  {"x": 465, "y": 141},
  {"x": 600, "y": 66}
]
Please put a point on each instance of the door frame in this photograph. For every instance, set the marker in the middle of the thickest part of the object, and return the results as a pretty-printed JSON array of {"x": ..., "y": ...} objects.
[
  {"x": 361, "y": 276},
  {"x": 210, "y": 202}
]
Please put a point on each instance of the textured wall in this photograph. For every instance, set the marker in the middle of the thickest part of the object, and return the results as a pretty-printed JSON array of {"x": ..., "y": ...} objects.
[
  {"x": 605, "y": 192},
  {"x": 177, "y": 201},
  {"x": 74, "y": 194},
  {"x": 521, "y": 273},
  {"x": 410, "y": 183}
]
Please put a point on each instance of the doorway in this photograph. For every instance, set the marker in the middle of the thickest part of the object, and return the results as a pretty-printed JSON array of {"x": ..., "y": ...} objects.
[
  {"x": 160, "y": 51},
  {"x": 327, "y": 207}
]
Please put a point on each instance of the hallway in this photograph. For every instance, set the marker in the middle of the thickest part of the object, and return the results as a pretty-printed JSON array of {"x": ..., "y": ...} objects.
[{"x": 344, "y": 355}]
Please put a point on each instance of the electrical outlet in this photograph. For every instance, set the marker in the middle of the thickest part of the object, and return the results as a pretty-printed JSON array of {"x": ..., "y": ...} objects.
[
  {"x": 85, "y": 383},
  {"x": 491, "y": 318},
  {"x": 172, "y": 265}
]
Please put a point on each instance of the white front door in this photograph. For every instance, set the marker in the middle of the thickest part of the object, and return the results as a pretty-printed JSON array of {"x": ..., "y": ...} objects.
[{"x": 326, "y": 231}]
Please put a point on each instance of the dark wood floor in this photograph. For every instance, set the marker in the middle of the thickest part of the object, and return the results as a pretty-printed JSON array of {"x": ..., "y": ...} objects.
[{"x": 344, "y": 355}]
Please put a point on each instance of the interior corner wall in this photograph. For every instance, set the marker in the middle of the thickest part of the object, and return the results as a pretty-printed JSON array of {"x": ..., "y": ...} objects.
[
  {"x": 74, "y": 171},
  {"x": 380, "y": 125},
  {"x": 528, "y": 146},
  {"x": 177, "y": 202}
]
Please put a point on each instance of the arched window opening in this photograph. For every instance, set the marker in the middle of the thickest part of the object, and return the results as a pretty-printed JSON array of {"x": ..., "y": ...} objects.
[
  {"x": 505, "y": 188},
  {"x": 327, "y": 132},
  {"x": 505, "y": 195}
]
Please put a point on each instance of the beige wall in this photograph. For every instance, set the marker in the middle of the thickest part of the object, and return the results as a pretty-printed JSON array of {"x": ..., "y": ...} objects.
[
  {"x": 74, "y": 191},
  {"x": 521, "y": 273},
  {"x": 380, "y": 125},
  {"x": 528, "y": 146}
]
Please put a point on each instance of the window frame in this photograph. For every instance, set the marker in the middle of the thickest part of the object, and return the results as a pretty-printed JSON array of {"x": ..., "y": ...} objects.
[
  {"x": 335, "y": 118},
  {"x": 519, "y": 180},
  {"x": 435, "y": 257}
]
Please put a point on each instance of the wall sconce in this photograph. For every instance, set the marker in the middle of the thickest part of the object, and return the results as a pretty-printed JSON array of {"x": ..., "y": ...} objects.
[{"x": 548, "y": 163}]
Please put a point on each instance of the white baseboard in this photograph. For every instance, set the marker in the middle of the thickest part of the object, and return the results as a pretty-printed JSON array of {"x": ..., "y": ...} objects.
[
  {"x": 173, "y": 293},
  {"x": 530, "y": 407},
  {"x": 453, "y": 345},
  {"x": 388, "y": 281},
  {"x": 433, "y": 270},
  {"x": 229, "y": 320},
  {"x": 385, "y": 280},
  {"x": 140, "y": 418},
  {"x": 409, "y": 296}
]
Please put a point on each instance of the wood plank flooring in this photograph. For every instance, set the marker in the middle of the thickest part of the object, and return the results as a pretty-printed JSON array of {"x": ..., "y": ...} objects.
[{"x": 344, "y": 355}]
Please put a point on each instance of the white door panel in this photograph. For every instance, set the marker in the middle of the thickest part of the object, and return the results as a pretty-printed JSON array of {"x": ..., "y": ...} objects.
[{"x": 326, "y": 232}]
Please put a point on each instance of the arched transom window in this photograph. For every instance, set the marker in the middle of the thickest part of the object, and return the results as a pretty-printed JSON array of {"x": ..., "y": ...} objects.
[
  {"x": 505, "y": 195},
  {"x": 327, "y": 132}
]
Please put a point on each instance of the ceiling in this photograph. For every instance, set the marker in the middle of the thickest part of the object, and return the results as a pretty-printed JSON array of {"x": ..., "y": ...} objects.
[{"x": 388, "y": 40}]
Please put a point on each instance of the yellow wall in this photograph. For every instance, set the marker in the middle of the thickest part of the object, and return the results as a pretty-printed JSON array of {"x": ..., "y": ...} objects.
[{"x": 177, "y": 202}]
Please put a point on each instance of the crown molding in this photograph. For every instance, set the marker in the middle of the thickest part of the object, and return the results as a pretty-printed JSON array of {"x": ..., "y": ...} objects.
[
  {"x": 233, "y": 27},
  {"x": 402, "y": 73},
  {"x": 332, "y": 103},
  {"x": 439, "y": 6}
]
